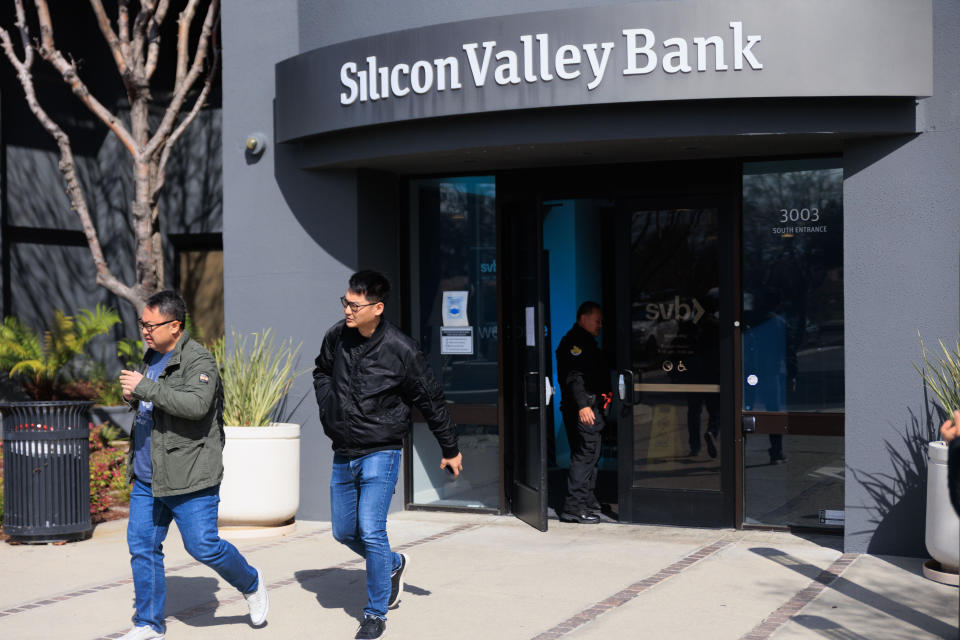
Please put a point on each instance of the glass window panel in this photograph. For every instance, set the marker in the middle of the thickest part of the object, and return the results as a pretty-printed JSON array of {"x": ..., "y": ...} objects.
[
  {"x": 793, "y": 286},
  {"x": 794, "y": 493},
  {"x": 480, "y": 445},
  {"x": 453, "y": 248}
]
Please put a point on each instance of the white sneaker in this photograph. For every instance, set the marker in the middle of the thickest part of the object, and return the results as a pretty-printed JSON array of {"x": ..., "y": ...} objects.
[
  {"x": 258, "y": 602},
  {"x": 142, "y": 633}
]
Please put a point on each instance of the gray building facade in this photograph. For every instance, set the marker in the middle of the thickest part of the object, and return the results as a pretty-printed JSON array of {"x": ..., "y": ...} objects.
[{"x": 764, "y": 200}]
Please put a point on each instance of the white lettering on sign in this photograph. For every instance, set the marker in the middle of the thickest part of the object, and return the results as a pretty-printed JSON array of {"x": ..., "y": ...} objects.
[
  {"x": 537, "y": 60},
  {"x": 675, "y": 310}
]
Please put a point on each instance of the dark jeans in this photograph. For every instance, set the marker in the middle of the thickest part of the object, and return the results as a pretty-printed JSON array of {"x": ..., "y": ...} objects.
[{"x": 585, "y": 448}]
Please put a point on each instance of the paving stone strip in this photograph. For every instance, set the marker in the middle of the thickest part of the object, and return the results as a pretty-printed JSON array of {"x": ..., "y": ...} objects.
[
  {"x": 792, "y": 607},
  {"x": 626, "y": 595},
  {"x": 50, "y": 600},
  {"x": 305, "y": 576}
]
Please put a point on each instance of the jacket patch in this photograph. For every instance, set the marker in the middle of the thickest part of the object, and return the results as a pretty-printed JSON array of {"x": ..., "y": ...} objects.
[
  {"x": 575, "y": 350},
  {"x": 204, "y": 378}
]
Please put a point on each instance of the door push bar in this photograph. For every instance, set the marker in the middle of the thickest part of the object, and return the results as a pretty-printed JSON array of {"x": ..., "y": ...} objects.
[{"x": 531, "y": 392}]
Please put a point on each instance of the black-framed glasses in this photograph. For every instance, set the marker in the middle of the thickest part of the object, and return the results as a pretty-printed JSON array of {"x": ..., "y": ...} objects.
[
  {"x": 146, "y": 326},
  {"x": 353, "y": 305}
]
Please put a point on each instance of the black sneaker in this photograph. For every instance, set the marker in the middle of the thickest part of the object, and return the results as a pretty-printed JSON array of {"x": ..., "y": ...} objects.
[
  {"x": 371, "y": 628},
  {"x": 711, "y": 441},
  {"x": 396, "y": 580}
]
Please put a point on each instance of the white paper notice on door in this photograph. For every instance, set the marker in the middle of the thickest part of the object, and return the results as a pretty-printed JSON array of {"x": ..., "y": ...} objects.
[
  {"x": 531, "y": 329},
  {"x": 455, "y": 308},
  {"x": 456, "y": 341}
]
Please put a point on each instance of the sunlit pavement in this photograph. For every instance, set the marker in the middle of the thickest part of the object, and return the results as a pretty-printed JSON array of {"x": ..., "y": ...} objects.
[{"x": 489, "y": 577}]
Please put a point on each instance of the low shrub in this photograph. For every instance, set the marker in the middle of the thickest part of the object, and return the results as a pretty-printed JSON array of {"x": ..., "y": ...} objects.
[{"x": 108, "y": 471}]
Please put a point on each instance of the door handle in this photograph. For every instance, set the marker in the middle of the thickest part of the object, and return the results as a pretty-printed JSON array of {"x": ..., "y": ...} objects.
[
  {"x": 531, "y": 390},
  {"x": 548, "y": 390},
  {"x": 625, "y": 386},
  {"x": 749, "y": 424}
]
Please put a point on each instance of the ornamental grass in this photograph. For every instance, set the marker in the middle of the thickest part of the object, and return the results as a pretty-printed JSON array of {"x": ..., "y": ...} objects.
[{"x": 256, "y": 374}]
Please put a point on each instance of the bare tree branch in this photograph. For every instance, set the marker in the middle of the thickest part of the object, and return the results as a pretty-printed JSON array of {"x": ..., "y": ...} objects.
[
  {"x": 67, "y": 163},
  {"x": 183, "y": 42},
  {"x": 184, "y": 124},
  {"x": 183, "y": 87},
  {"x": 69, "y": 73},
  {"x": 135, "y": 49},
  {"x": 153, "y": 37},
  {"x": 123, "y": 26},
  {"x": 112, "y": 40}
]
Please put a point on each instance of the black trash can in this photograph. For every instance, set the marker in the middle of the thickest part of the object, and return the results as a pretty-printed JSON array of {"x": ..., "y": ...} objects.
[{"x": 46, "y": 469}]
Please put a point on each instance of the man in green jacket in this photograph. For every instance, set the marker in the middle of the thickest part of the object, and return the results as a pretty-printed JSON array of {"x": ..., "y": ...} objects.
[{"x": 176, "y": 466}]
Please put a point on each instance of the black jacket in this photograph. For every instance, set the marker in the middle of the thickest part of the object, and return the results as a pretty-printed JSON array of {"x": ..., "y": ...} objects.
[
  {"x": 366, "y": 386},
  {"x": 953, "y": 473},
  {"x": 581, "y": 370}
]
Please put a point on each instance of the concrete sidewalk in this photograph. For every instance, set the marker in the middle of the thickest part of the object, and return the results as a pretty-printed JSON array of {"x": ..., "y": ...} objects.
[{"x": 487, "y": 578}]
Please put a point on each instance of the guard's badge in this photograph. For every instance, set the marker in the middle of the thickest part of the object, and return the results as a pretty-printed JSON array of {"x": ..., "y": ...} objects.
[
  {"x": 575, "y": 350},
  {"x": 204, "y": 378}
]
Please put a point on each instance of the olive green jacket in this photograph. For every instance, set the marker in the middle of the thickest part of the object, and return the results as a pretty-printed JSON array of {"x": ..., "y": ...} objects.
[{"x": 187, "y": 440}]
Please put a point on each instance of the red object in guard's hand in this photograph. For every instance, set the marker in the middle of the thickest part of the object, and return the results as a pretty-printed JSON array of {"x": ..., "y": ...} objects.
[{"x": 607, "y": 399}]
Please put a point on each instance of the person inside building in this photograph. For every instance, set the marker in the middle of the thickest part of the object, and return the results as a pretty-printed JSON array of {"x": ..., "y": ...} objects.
[
  {"x": 176, "y": 466},
  {"x": 367, "y": 377},
  {"x": 585, "y": 394}
]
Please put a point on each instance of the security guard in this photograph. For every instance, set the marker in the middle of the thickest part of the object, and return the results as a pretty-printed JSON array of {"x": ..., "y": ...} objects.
[{"x": 585, "y": 383}]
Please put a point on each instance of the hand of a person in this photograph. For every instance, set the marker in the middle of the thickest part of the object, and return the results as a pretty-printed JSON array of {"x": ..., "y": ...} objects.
[
  {"x": 454, "y": 464},
  {"x": 951, "y": 428},
  {"x": 586, "y": 416},
  {"x": 129, "y": 381}
]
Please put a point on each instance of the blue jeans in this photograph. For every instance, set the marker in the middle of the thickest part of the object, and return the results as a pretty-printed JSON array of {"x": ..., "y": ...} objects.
[
  {"x": 196, "y": 517},
  {"x": 360, "y": 493}
]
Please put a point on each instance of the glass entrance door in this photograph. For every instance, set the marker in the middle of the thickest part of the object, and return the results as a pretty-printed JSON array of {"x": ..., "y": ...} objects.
[
  {"x": 675, "y": 362},
  {"x": 792, "y": 344}
]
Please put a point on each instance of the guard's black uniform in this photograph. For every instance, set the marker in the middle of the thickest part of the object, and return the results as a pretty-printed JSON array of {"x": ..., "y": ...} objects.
[{"x": 584, "y": 377}]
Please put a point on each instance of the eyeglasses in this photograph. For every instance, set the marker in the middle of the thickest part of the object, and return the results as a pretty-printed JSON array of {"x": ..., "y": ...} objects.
[
  {"x": 146, "y": 326},
  {"x": 353, "y": 305}
]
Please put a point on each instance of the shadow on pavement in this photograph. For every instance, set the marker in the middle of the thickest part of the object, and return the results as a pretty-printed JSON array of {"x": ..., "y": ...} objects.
[
  {"x": 193, "y": 601},
  {"x": 842, "y": 585},
  {"x": 346, "y": 589},
  {"x": 827, "y": 628}
]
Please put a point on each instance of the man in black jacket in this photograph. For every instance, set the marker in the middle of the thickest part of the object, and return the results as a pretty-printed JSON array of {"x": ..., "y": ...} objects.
[
  {"x": 367, "y": 376},
  {"x": 585, "y": 382}
]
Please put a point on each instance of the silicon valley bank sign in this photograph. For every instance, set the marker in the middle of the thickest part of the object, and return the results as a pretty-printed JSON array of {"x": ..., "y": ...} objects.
[{"x": 681, "y": 50}]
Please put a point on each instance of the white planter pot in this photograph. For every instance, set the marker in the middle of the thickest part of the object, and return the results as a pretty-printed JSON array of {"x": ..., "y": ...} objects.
[
  {"x": 943, "y": 525},
  {"x": 261, "y": 476}
]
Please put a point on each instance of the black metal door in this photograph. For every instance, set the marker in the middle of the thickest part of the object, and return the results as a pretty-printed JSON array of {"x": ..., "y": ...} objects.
[
  {"x": 675, "y": 361},
  {"x": 526, "y": 389}
]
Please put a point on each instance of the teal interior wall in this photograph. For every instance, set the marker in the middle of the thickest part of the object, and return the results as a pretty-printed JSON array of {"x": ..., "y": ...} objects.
[{"x": 571, "y": 235}]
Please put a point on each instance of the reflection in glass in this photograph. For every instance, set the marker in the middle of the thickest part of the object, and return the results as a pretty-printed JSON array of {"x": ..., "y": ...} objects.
[
  {"x": 793, "y": 494},
  {"x": 793, "y": 286},
  {"x": 453, "y": 248},
  {"x": 675, "y": 348},
  {"x": 478, "y": 488}
]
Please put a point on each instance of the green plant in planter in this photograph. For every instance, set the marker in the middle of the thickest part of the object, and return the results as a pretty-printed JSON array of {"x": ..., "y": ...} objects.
[
  {"x": 941, "y": 373},
  {"x": 256, "y": 376},
  {"x": 130, "y": 353},
  {"x": 41, "y": 362}
]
